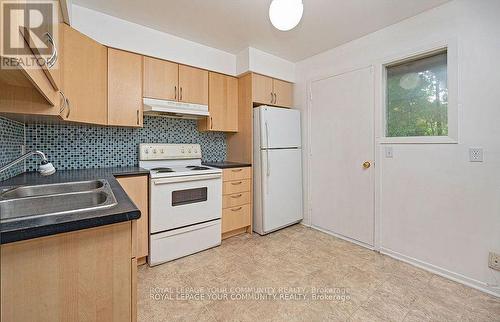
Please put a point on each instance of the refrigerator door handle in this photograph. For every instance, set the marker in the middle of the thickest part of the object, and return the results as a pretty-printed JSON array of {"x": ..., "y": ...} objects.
[{"x": 268, "y": 170}]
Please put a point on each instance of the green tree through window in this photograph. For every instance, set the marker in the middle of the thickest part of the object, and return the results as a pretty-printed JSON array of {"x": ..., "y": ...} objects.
[{"x": 417, "y": 97}]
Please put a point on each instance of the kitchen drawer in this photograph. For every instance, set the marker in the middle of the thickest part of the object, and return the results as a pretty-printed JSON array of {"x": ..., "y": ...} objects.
[
  {"x": 236, "y": 217},
  {"x": 236, "y": 199},
  {"x": 230, "y": 187},
  {"x": 237, "y": 173}
]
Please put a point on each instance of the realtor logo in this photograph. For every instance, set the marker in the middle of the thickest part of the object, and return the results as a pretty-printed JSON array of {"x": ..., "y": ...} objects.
[{"x": 28, "y": 33}]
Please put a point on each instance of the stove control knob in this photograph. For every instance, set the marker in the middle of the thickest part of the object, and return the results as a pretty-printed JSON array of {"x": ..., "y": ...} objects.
[
  {"x": 162, "y": 151},
  {"x": 154, "y": 151},
  {"x": 146, "y": 151},
  {"x": 189, "y": 151},
  {"x": 182, "y": 151}
]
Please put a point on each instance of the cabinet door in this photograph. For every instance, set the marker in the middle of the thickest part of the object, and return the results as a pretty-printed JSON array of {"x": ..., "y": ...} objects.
[
  {"x": 136, "y": 188},
  {"x": 193, "y": 85},
  {"x": 84, "y": 78},
  {"x": 283, "y": 93},
  {"x": 161, "y": 79},
  {"x": 222, "y": 104},
  {"x": 124, "y": 88},
  {"x": 25, "y": 89},
  {"x": 262, "y": 89},
  {"x": 84, "y": 275}
]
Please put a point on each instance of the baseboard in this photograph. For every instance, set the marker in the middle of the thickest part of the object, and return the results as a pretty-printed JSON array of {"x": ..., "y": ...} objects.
[
  {"x": 304, "y": 224},
  {"x": 343, "y": 237},
  {"x": 481, "y": 286}
]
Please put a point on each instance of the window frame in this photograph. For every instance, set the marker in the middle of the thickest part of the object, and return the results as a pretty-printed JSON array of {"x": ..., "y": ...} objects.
[{"x": 452, "y": 108}]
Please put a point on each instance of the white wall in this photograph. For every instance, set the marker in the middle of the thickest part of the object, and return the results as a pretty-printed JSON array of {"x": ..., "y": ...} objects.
[
  {"x": 258, "y": 61},
  {"x": 436, "y": 209},
  {"x": 122, "y": 34}
]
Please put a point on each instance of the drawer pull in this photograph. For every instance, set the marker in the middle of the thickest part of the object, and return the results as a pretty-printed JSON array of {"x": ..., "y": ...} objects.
[
  {"x": 237, "y": 196},
  {"x": 236, "y": 183},
  {"x": 237, "y": 170},
  {"x": 236, "y": 209}
]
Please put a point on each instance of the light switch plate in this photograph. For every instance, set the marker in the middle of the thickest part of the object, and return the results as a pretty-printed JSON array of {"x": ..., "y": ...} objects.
[
  {"x": 389, "y": 152},
  {"x": 476, "y": 155}
]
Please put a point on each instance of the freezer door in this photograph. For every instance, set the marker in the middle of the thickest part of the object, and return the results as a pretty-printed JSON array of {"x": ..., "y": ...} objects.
[
  {"x": 279, "y": 127},
  {"x": 281, "y": 191}
]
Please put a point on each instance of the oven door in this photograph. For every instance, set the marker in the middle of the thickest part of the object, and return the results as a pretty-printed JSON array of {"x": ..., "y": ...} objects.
[{"x": 182, "y": 201}]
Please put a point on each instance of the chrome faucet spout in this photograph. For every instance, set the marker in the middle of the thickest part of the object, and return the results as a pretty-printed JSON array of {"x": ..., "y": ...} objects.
[{"x": 45, "y": 169}]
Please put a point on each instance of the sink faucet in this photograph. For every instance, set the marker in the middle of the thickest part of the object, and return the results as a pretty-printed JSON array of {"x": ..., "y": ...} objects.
[{"x": 45, "y": 169}]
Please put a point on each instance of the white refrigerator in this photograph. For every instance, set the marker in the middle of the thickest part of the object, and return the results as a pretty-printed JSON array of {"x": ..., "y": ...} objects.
[{"x": 277, "y": 168}]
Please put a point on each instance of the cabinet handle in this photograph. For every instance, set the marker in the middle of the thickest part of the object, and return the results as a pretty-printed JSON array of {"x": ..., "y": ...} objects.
[
  {"x": 275, "y": 98},
  {"x": 272, "y": 97},
  {"x": 137, "y": 117},
  {"x": 236, "y": 183},
  {"x": 211, "y": 123},
  {"x": 180, "y": 94},
  {"x": 237, "y": 196},
  {"x": 53, "y": 57},
  {"x": 175, "y": 92},
  {"x": 69, "y": 107},
  {"x": 64, "y": 103},
  {"x": 236, "y": 170},
  {"x": 236, "y": 209}
]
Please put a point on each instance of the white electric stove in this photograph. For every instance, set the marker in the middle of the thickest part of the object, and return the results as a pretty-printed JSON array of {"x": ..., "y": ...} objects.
[{"x": 185, "y": 201}]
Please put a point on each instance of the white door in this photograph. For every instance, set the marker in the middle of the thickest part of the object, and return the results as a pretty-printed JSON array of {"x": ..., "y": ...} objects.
[
  {"x": 280, "y": 127},
  {"x": 281, "y": 188},
  {"x": 341, "y": 129}
]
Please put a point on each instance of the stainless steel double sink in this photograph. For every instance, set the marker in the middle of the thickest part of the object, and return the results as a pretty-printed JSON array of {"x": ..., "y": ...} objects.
[{"x": 27, "y": 202}]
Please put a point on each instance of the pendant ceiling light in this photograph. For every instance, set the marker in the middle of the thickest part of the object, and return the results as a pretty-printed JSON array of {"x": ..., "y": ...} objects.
[{"x": 285, "y": 14}]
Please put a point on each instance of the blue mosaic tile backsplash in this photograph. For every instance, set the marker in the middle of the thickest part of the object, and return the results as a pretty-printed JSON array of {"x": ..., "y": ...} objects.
[
  {"x": 78, "y": 146},
  {"x": 11, "y": 139}
]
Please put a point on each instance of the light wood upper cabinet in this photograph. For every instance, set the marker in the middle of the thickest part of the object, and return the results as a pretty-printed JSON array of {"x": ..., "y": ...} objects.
[
  {"x": 222, "y": 104},
  {"x": 193, "y": 85},
  {"x": 283, "y": 92},
  {"x": 136, "y": 188},
  {"x": 28, "y": 89},
  {"x": 124, "y": 88},
  {"x": 270, "y": 91},
  {"x": 84, "y": 78},
  {"x": 170, "y": 81},
  {"x": 262, "y": 89},
  {"x": 161, "y": 79}
]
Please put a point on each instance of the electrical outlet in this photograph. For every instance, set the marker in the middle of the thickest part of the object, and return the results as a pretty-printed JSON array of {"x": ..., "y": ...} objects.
[
  {"x": 494, "y": 261},
  {"x": 388, "y": 152},
  {"x": 476, "y": 155}
]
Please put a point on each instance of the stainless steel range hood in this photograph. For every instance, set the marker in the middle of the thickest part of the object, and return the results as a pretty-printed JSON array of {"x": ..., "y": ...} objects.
[{"x": 174, "y": 109}]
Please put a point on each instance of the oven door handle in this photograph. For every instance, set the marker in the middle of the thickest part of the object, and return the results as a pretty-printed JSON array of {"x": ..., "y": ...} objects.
[{"x": 186, "y": 179}]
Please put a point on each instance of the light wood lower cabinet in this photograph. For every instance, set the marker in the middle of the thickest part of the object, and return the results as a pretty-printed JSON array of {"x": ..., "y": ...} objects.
[
  {"x": 136, "y": 188},
  {"x": 236, "y": 201},
  {"x": 124, "y": 88},
  {"x": 86, "y": 275}
]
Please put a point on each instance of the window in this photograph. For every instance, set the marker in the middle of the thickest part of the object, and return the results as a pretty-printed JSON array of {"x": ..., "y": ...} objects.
[{"x": 417, "y": 97}]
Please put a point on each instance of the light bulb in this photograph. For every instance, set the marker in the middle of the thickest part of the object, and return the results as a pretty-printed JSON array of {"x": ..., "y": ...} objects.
[{"x": 285, "y": 14}]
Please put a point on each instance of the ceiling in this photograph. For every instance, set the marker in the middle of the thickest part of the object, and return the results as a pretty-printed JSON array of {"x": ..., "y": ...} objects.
[{"x": 233, "y": 25}]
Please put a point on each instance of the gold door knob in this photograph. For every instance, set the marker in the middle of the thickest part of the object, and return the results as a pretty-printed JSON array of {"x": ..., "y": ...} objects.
[{"x": 366, "y": 164}]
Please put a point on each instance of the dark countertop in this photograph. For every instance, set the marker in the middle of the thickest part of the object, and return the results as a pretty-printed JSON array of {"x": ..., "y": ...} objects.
[
  {"x": 227, "y": 164},
  {"x": 125, "y": 210}
]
